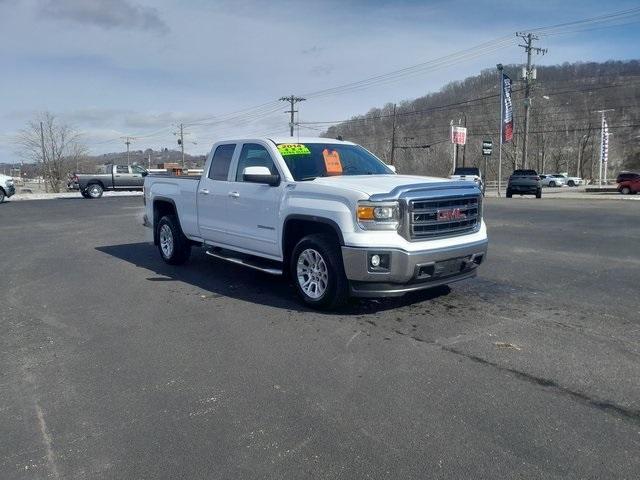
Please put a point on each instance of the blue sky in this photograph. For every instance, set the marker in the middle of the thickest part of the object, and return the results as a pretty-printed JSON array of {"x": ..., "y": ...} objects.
[{"x": 139, "y": 67}]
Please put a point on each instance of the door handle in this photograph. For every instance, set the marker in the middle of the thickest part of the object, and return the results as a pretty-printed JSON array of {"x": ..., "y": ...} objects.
[
  {"x": 234, "y": 194},
  {"x": 203, "y": 191}
]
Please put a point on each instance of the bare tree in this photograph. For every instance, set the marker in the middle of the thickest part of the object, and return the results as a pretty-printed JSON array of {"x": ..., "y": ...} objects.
[{"x": 53, "y": 145}]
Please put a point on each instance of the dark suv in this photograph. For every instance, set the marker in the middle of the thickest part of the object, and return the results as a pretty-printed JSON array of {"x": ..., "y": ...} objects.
[{"x": 524, "y": 182}]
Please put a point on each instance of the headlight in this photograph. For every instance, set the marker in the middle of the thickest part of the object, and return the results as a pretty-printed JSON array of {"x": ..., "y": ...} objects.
[{"x": 378, "y": 215}]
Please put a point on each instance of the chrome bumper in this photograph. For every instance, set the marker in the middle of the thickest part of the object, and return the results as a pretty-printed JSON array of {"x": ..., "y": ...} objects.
[{"x": 410, "y": 271}]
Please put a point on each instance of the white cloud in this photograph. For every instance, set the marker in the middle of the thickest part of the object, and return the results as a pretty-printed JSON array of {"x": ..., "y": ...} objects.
[{"x": 105, "y": 13}]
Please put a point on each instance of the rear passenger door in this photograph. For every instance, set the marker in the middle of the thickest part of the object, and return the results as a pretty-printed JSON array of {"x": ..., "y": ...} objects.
[
  {"x": 212, "y": 195},
  {"x": 121, "y": 176}
]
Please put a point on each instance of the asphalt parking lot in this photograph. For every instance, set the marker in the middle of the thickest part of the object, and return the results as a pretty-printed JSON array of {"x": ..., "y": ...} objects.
[{"x": 115, "y": 365}]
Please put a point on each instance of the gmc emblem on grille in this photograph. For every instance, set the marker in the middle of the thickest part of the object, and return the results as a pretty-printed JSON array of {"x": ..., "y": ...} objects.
[{"x": 449, "y": 215}]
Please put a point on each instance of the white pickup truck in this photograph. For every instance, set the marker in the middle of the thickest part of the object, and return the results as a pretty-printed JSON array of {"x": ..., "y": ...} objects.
[{"x": 326, "y": 212}]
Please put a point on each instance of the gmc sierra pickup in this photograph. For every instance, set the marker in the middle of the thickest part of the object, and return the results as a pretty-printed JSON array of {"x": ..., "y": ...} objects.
[
  {"x": 326, "y": 212},
  {"x": 117, "y": 177}
]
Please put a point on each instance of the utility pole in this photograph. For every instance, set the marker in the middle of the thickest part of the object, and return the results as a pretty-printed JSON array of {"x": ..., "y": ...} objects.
[
  {"x": 182, "y": 143},
  {"x": 393, "y": 135},
  {"x": 127, "y": 142},
  {"x": 44, "y": 157},
  {"x": 501, "y": 86},
  {"x": 529, "y": 76},
  {"x": 455, "y": 147},
  {"x": 292, "y": 101}
]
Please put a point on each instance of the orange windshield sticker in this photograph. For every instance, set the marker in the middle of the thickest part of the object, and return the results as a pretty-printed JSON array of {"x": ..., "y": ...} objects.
[{"x": 332, "y": 162}]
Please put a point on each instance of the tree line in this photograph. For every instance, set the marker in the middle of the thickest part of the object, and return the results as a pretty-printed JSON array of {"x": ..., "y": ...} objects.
[{"x": 564, "y": 128}]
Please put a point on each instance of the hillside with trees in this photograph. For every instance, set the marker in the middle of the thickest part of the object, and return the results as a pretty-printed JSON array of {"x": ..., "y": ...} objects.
[{"x": 564, "y": 122}]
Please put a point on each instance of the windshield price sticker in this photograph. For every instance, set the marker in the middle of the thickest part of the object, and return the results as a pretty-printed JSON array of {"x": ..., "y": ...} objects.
[
  {"x": 293, "y": 149},
  {"x": 332, "y": 162}
]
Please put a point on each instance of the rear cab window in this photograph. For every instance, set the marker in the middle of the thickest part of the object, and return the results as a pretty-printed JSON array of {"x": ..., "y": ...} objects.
[
  {"x": 221, "y": 161},
  {"x": 525, "y": 173},
  {"x": 122, "y": 169}
]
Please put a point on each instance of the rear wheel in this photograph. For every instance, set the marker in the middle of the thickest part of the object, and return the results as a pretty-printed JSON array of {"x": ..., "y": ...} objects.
[
  {"x": 174, "y": 247},
  {"x": 84, "y": 194},
  {"x": 571, "y": 183},
  {"x": 318, "y": 273},
  {"x": 625, "y": 191},
  {"x": 552, "y": 184},
  {"x": 94, "y": 190},
  {"x": 1, "y": 195},
  {"x": 509, "y": 194}
]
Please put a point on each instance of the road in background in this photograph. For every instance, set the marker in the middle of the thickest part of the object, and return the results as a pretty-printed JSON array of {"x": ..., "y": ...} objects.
[{"x": 115, "y": 365}]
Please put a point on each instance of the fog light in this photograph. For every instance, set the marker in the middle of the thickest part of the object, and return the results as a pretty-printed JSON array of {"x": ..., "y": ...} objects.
[{"x": 375, "y": 260}]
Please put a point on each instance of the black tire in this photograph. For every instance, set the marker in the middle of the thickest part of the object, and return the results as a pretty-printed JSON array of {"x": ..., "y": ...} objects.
[
  {"x": 552, "y": 184},
  {"x": 85, "y": 194},
  {"x": 336, "y": 291},
  {"x": 94, "y": 190},
  {"x": 571, "y": 183},
  {"x": 174, "y": 247},
  {"x": 539, "y": 193},
  {"x": 2, "y": 195},
  {"x": 509, "y": 194},
  {"x": 625, "y": 191}
]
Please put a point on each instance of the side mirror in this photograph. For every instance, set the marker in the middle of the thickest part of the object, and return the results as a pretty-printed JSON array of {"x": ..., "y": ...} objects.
[
  {"x": 392, "y": 168},
  {"x": 260, "y": 175},
  {"x": 145, "y": 173}
]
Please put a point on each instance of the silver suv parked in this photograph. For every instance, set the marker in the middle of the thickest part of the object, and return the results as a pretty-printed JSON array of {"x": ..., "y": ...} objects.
[{"x": 7, "y": 188}]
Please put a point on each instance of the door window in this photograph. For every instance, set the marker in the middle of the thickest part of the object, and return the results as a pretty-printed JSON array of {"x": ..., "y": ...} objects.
[
  {"x": 138, "y": 170},
  {"x": 221, "y": 161},
  {"x": 254, "y": 155}
]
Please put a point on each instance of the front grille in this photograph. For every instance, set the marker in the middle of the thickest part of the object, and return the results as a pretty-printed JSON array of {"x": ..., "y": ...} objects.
[{"x": 443, "y": 217}]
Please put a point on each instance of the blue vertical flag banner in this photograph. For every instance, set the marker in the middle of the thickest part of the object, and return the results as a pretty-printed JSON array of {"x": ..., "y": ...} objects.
[{"x": 507, "y": 110}]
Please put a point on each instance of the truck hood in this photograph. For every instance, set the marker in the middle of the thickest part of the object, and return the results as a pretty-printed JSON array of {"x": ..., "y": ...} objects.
[{"x": 372, "y": 184}]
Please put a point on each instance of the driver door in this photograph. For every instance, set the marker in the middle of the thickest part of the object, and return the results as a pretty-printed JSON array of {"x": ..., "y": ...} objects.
[{"x": 252, "y": 208}]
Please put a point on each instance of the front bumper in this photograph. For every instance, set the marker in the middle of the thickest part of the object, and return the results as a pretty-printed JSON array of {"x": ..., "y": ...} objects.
[{"x": 410, "y": 271}]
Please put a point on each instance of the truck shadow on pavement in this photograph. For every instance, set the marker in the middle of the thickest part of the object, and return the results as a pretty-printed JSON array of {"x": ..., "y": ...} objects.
[{"x": 221, "y": 278}]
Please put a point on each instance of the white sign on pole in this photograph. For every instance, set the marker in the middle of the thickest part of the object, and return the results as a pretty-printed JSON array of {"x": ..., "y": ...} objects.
[{"x": 458, "y": 135}]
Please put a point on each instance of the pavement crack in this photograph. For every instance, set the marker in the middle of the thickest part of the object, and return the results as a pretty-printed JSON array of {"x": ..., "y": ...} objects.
[
  {"x": 603, "y": 405},
  {"x": 48, "y": 442}
]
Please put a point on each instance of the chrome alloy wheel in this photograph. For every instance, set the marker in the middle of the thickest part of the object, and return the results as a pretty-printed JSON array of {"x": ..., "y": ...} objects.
[
  {"x": 166, "y": 241},
  {"x": 313, "y": 276}
]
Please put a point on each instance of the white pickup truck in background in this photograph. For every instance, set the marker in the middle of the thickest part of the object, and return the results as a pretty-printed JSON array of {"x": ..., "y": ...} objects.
[{"x": 326, "y": 212}]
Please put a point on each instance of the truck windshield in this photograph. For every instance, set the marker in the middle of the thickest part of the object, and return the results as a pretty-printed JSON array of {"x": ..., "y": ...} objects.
[{"x": 310, "y": 160}]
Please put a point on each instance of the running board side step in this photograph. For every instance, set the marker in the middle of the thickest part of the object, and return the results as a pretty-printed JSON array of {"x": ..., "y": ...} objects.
[{"x": 247, "y": 261}]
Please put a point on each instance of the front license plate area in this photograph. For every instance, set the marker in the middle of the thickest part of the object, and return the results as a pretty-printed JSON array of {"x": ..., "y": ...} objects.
[{"x": 449, "y": 267}]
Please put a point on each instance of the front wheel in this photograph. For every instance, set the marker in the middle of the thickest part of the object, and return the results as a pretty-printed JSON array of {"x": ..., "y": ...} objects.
[
  {"x": 174, "y": 247},
  {"x": 571, "y": 183},
  {"x": 318, "y": 273},
  {"x": 1, "y": 195},
  {"x": 626, "y": 191}
]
